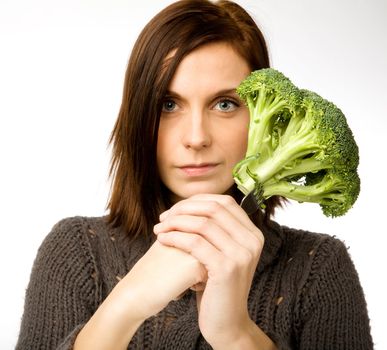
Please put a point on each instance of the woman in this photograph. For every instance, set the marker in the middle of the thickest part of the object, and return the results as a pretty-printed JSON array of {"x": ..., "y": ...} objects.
[{"x": 177, "y": 264}]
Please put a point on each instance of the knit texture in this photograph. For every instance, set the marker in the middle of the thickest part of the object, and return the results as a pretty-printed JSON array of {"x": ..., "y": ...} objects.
[{"x": 305, "y": 293}]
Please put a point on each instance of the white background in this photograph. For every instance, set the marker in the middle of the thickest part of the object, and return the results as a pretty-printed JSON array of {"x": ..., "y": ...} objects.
[{"x": 62, "y": 66}]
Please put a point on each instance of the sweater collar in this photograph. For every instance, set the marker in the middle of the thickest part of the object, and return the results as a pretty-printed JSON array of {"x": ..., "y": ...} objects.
[{"x": 273, "y": 234}]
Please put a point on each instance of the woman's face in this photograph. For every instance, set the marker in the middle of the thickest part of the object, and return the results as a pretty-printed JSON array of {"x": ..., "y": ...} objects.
[{"x": 204, "y": 125}]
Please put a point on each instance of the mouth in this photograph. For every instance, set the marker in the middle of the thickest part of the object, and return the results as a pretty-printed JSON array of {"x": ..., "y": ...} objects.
[{"x": 198, "y": 169}]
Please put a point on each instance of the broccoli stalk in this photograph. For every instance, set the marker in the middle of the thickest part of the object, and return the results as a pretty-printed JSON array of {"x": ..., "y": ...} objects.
[{"x": 299, "y": 145}]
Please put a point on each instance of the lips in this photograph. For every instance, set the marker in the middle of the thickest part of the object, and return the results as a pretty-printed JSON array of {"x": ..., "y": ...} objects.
[{"x": 198, "y": 169}]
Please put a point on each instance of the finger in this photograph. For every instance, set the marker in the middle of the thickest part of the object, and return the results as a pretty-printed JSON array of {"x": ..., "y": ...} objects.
[
  {"x": 220, "y": 267},
  {"x": 200, "y": 225},
  {"x": 197, "y": 246},
  {"x": 212, "y": 212},
  {"x": 225, "y": 201},
  {"x": 199, "y": 296},
  {"x": 198, "y": 287}
]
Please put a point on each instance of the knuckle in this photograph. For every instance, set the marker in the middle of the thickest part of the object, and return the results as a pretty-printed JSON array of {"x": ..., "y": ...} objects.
[
  {"x": 196, "y": 242},
  {"x": 213, "y": 207},
  {"x": 202, "y": 223},
  {"x": 228, "y": 200},
  {"x": 259, "y": 239},
  {"x": 197, "y": 270},
  {"x": 196, "y": 264},
  {"x": 261, "y": 242},
  {"x": 200, "y": 273},
  {"x": 230, "y": 267},
  {"x": 245, "y": 258},
  {"x": 256, "y": 248},
  {"x": 179, "y": 207},
  {"x": 170, "y": 220}
]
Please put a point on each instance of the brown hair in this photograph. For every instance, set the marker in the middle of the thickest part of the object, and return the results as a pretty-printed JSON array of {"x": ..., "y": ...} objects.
[{"x": 137, "y": 194}]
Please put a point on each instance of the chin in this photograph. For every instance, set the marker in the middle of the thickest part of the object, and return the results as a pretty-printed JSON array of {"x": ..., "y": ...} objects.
[{"x": 203, "y": 189}]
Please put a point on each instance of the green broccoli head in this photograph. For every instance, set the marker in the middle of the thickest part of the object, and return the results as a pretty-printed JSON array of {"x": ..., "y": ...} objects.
[
  {"x": 333, "y": 131},
  {"x": 299, "y": 144},
  {"x": 268, "y": 94}
]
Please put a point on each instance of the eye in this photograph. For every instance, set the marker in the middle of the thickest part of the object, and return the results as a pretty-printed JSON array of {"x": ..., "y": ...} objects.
[
  {"x": 226, "y": 105},
  {"x": 169, "y": 106}
]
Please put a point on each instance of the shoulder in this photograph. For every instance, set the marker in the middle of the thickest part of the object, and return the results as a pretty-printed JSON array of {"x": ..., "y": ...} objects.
[
  {"x": 321, "y": 262},
  {"x": 309, "y": 260},
  {"x": 64, "y": 272},
  {"x": 301, "y": 247},
  {"x": 72, "y": 230},
  {"x": 80, "y": 224},
  {"x": 305, "y": 244},
  {"x": 94, "y": 247},
  {"x": 69, "y": 243}
]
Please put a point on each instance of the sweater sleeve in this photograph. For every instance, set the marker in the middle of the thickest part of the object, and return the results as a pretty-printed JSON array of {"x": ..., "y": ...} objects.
[
  {"x": 332, "y": 307},
  {"x": 62, "y": 291}
]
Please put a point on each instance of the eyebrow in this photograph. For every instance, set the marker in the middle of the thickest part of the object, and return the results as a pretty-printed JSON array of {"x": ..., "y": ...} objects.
[{"x": 218, "y": 93}]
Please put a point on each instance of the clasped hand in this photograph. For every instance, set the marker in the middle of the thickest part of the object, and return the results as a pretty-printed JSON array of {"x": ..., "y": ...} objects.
[{"x": 219, "y": 234}]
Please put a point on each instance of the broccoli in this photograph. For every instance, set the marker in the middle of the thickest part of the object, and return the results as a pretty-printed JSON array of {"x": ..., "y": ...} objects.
[{"x": 299, "y": 146}]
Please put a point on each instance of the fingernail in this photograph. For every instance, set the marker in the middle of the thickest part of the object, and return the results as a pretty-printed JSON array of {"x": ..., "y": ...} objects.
[
  {"x": 161, "y": 237},
  {"x": 163, "y": 215},
  {"x": 156, "y": 228}
]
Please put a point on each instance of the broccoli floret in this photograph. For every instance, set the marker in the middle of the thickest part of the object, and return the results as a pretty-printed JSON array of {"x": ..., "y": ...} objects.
[
  {"x": 299, "y": 145},
  {"x": 267, "y": 93},
  {"x": 334, "y": 191}
]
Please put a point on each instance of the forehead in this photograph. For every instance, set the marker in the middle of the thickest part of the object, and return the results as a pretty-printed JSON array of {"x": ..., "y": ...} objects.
[{"x": 210, "y": 66}]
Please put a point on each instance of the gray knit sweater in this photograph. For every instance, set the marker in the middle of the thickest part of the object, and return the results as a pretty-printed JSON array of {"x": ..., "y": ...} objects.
[{"x": 305, "y": 293}]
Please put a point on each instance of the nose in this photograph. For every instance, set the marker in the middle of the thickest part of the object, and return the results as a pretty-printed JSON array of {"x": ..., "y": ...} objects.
[{"x": 197, "y": 133}]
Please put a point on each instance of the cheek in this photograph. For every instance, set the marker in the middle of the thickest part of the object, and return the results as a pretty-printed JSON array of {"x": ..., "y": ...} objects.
[
  {"x": 164, "y": 135},
  {"x": 240, "y": 151},
  {"x": 242, "y": 139},
  {"x": 239, "y": 141},
  {"x": 162, "y": 150},
  {"x": 234, "y": 144},
  {"x": 166, "y": 148}
]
